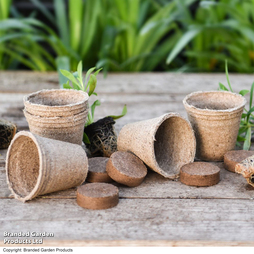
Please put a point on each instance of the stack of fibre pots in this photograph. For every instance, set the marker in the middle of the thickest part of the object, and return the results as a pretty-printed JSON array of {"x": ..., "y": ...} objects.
[{"x": 50, "y": 157}]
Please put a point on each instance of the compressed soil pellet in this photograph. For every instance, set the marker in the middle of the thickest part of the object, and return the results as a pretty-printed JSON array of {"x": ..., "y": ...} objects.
[
  {"x": 97, "y": 196},
  {"x": 231, "y": 158},
  {"x": 200, "y": 174},
  {"x": 97, "y": 170},
  {"x": 126, "y": 168}
]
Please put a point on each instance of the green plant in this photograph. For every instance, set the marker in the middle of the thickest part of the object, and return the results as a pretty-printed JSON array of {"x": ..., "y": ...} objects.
[
  {"x": 214, "y": 31},
  {"x": 22, "y": 41},
  {"x": 5, "y": 60},
  {"x": 74, "y": 35},
  {"x": 79, "y": 26},
  {"x": 135, "y": 36},
  {"x": 87, "y": 85},
  {"x": 247, "y": 119}
]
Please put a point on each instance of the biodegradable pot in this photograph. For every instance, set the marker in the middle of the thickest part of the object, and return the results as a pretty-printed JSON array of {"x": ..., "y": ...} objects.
[
  {"x": 56, "y": 102},
  {"x": 58, "y": 114},
  {"x": 102, "y": 137},
  {"x": 68, "y": 129},
  {"x": 215, "y": 117},
  {"x": 164, "y": 144},
  {"x": 36, "y": 165}
]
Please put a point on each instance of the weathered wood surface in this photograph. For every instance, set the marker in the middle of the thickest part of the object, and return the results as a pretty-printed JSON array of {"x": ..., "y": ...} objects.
[
  {"x": 231, "y": 186},
  {"x": 159, "y": 211},
  {"x": 134, "y": 219}
]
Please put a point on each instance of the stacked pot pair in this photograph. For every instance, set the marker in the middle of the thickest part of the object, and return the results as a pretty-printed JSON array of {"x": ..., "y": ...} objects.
[
  {"x": 50, "y": 157},
  {"x": 57, "y": 114}
]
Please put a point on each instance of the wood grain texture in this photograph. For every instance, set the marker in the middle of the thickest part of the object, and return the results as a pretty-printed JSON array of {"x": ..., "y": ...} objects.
[
  {"x": 231, "y": 186},
  {"x": 147, "y": 95},
  {"x": 134, "y": 219},
  {"x": 28, "y": 81}
]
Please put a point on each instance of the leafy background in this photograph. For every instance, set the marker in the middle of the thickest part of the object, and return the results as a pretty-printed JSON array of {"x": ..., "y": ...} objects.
[{"x": 127, "y": 35}]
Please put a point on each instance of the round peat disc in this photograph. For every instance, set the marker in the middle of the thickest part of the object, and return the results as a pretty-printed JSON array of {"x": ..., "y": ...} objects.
[
  {"x": 200, "y": 174},
  {"x": 126, "y": 168},
  {"x": 97, "y": 170},
  {"x": 97, "y": 196},
  {"x": 232, "y": 158}
]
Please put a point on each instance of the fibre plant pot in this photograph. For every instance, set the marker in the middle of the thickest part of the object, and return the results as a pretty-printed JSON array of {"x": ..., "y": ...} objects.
[
  {"x": 57, "y": 114},
  {"x": 36, "y": 165},
  {"x": 56, "y": 102},
  {"x": 67, "y": 129},
  {"x": 215, "y": 117},
  {"x": 102, "y": 137},
  {"x": 164, "y": 144}
]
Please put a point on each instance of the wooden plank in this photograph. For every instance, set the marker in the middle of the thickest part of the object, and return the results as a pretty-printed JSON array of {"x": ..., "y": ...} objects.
[
  {"x": 165, "y": 91},
  {"x": 231, "y": 186},
  {"x": 28, "y": 81},
  {"x": 2, "y": 157},
  {"x": 12, "y": 107},
  {"x": 132, "y": 219}
]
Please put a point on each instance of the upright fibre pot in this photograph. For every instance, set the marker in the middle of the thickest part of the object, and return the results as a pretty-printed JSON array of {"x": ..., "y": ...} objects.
[
  {"x": 36, "y": 165},
  {"x": 215, "y": 117},
  {"x": 58, "y": 114},
  {"x": 56, "y": 102},
  {"x": 67, "y": 129},
  {"x": 165, "y": 143}
]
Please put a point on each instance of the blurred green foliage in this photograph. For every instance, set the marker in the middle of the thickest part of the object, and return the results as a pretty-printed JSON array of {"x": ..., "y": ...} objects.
[{"x": 130, "y": 35}]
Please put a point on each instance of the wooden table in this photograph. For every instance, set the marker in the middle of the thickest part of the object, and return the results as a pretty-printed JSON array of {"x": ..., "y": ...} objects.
[{"x": 159, "y": 212}]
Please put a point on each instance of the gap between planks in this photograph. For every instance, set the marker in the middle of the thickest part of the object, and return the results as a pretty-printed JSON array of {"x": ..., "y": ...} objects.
[{"x": 141, "y": 198}]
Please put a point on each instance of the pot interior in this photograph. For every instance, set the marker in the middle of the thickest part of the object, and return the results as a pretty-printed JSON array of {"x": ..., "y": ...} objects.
[
  {"x": 174, "y": 145},
  {"x": 215, "y": 100},
  {"x": 23, "y": 166},
  {"x": 57, "y": 97}
]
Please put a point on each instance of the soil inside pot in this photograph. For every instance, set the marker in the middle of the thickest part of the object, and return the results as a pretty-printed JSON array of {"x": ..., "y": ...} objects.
[
  {"x": 23, "y": 166},
  {"x": 174, "y": 145},
  {"x": 215, "y": 101},
  {"x": 102, "y": 137},
  {"x": 49, "y": 98}
]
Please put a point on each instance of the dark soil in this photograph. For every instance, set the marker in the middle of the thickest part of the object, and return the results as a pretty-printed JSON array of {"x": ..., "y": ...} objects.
[{"x": 102, "y": 137}]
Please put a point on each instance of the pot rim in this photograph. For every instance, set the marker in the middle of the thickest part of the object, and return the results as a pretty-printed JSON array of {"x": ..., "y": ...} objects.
[
  {"x": 189, "y": 106},
  {"x": 40, "y": 178},
  {"x": 27, "y": 102}
]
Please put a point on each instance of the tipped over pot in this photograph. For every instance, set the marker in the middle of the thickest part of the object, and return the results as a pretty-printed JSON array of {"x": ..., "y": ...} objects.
[
  {"x": 215, "y": 117},
  {"x": 165, "y": 143},
  {"x": 36, "y": 165}
]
